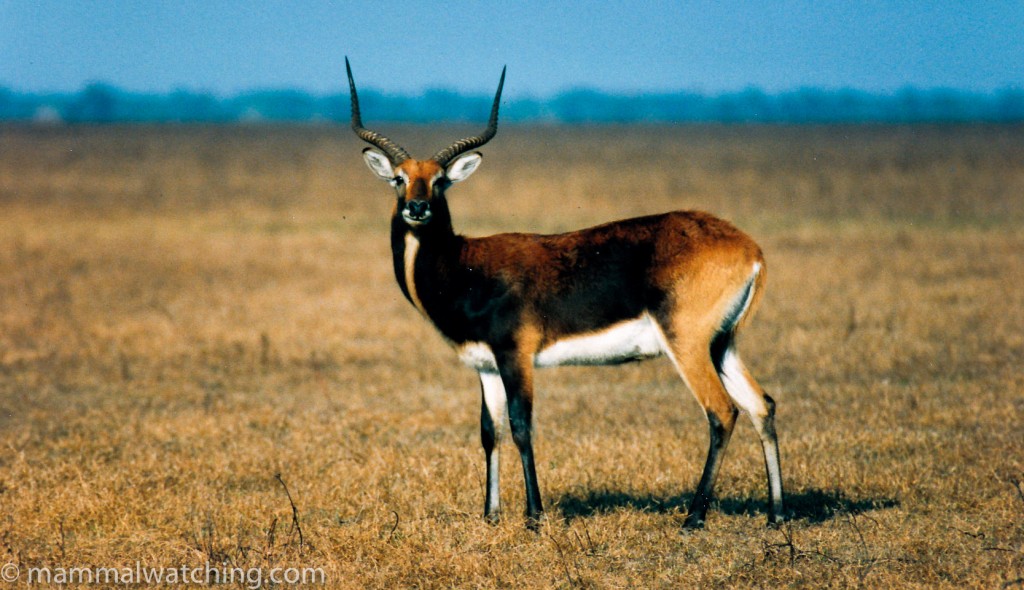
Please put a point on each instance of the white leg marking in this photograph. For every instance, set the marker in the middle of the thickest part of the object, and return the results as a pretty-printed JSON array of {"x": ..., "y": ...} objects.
[
  {"x": 771, "y": 461},
  {"x": 740, "y": 390},
  {"x": 497, "y": 407},
  {"x": 494, "y": 397},
  {"x": 479, "y": 356},
  {"x": 737, "y": 383},
  {"x": 412, "y": 247}
]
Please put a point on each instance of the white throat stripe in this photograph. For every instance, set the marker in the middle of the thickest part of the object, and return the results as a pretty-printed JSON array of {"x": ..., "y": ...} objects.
[{"x": 412, "y": 247}]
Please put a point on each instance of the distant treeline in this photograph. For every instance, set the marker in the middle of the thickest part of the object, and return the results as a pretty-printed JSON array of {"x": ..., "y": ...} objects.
[{"x": 102, "y": 103}]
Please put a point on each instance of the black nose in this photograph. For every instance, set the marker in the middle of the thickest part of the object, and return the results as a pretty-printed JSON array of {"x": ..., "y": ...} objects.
[{"x": 417, "y": 209}]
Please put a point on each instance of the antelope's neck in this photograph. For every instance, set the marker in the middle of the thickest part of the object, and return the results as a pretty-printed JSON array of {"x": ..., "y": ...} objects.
[{"x": 422, "y": 261}]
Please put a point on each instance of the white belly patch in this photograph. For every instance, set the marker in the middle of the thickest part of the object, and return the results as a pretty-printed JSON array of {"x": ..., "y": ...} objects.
[{"x": 631, "y": 340}]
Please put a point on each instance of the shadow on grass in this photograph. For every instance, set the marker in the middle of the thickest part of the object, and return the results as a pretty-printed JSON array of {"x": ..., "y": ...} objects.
[{"x": 811, "y": 505}]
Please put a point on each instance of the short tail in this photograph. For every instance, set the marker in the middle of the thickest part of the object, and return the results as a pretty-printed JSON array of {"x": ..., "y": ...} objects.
[
  {"x": 738, "y": 314},
  {"x": 755, "y": 289}
]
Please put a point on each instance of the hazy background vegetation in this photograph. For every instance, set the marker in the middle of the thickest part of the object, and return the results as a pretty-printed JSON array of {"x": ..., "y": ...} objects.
[{"x": 103, "y": 103}]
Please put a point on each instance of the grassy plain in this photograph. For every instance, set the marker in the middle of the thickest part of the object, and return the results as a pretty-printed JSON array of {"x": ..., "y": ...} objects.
[{"x": 187, "y": 312}]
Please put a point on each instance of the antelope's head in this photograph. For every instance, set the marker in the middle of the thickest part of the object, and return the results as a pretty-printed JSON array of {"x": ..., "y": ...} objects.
[{"x": 420, "y": 184}]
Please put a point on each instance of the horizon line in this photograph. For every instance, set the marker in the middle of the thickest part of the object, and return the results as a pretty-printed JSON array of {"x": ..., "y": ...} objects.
[{"x": 370, "y": 90}]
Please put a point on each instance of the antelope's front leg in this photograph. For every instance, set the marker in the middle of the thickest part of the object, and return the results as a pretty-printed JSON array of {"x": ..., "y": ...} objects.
[
  {"x": 493, "y": 415},
  {"x": 516, "y": 372}
]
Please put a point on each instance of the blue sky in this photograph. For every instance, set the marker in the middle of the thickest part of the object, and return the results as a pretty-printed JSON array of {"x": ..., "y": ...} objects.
[{"x": 405, "y": 47}]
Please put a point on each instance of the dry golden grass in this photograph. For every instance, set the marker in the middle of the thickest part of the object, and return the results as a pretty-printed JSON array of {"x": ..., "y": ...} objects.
[{"x": 186, "y": 312}]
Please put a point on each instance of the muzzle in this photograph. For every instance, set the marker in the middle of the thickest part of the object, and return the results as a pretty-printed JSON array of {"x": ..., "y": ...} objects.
[{"x": 417, "y": 212}]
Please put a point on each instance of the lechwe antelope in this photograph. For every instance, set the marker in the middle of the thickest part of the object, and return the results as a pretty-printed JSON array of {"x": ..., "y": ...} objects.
[{"x": 679, "y": 284}]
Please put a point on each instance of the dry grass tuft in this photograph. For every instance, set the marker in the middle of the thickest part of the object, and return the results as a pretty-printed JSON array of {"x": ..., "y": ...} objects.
[{"x": 203, "y": 358}]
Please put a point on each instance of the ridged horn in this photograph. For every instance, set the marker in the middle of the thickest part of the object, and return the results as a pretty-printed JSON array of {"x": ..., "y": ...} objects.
[
  {"x": 392, "y": 150},
  {"x": 445, "y": 156}
]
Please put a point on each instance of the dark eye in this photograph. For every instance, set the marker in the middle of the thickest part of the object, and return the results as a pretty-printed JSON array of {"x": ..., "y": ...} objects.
[{"x": 398, "y": 180}]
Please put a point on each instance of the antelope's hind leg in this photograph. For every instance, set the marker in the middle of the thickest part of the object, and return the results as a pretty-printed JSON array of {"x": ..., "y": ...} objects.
[
  {"x": 697, "y": 370},
  {"x": 493, "y": 416},
  {"x": 691, "y": 356},
  {"x": 749, "y": 396}
]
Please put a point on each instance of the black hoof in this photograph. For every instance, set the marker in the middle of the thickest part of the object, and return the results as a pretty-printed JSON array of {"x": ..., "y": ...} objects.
[
  {"x": 777, "y": 519},
  {"x": 493, "y": 518},
  {"x": 693, "y": 522}
]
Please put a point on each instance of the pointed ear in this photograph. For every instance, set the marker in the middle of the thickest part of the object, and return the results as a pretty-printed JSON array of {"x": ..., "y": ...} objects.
[
  {"x": 379, "y": 164},
  {"x": 463, "y": 166}
]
